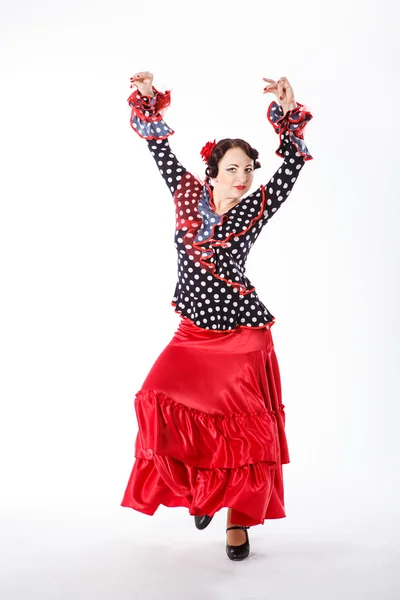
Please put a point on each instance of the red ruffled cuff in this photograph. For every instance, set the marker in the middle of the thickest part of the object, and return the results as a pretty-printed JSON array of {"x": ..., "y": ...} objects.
[
  {"x": 149, "y": 109},
  {"x": 294, "y": 123}
]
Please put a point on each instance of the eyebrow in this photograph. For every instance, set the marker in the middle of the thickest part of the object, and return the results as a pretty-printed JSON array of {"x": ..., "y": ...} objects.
[{"x": 233, "y": 165}]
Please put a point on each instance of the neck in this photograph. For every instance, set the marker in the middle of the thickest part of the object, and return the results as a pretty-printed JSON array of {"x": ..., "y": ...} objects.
[{"x": 222, "y": 204}]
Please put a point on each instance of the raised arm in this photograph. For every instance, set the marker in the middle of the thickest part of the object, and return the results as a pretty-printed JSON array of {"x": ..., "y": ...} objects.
[
  {"x": 148, "y": 106},
  {"x": 289, "y": 119},
  {"x": 292, "y": 149}
]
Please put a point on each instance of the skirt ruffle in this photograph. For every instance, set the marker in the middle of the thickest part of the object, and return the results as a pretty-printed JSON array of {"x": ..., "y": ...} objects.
[{"x": 211, "y": 428}]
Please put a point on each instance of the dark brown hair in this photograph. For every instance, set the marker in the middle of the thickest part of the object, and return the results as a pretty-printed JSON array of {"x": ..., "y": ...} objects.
[{"x": 221, "y": 147}]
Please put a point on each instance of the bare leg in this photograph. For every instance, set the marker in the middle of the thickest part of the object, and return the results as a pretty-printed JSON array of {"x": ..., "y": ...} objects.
[{"x": 235, "y": 537}]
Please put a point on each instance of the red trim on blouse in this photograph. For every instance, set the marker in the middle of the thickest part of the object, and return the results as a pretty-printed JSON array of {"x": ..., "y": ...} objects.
[{"x": 243, "y": 291}]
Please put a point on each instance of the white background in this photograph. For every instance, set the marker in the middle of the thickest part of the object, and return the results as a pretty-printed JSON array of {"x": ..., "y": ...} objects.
[{"x": 88, "y": 272}]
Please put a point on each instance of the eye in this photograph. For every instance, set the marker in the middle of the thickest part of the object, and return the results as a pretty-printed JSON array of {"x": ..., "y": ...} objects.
[
  {"x": 230, "y": 169},
  {"x": 249, "y": 170}
]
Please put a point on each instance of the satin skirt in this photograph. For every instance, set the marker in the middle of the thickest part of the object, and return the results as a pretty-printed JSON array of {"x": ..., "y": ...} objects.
[{"x": 211, "y": 427}]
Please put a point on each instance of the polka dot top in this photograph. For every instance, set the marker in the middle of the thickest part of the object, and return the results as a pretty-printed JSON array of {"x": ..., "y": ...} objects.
[{"x": 212, "y": 289}]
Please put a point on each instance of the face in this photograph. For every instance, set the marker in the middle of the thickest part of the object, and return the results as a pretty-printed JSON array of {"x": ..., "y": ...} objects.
[{"x": 235, "y": 174}]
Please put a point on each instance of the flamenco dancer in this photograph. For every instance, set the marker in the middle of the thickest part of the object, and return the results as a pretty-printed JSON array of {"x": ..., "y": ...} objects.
[{"x": 211, "y": 423}]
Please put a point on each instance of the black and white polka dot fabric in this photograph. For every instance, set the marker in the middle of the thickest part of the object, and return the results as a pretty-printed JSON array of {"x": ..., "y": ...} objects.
[
  {"x": 212, "y": 289},
  {"x": 147, "y": 130}
]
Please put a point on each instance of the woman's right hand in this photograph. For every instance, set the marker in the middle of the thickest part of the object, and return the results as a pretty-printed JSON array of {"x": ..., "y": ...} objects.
[{"x": 143, "y": 82}]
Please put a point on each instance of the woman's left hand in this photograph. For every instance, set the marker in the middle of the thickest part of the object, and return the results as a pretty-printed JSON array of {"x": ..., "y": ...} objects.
[{"x": 282, "y": 90}]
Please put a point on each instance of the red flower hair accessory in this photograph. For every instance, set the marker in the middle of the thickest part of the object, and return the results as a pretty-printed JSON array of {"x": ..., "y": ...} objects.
[{"x": 207, "y": 150}]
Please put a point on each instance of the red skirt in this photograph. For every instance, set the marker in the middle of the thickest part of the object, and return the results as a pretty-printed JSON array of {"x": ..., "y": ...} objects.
[{"x": 211, "y": 427}]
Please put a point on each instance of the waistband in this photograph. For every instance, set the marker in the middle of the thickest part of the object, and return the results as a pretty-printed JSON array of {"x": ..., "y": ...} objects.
[{"x": 242, "y": 339}]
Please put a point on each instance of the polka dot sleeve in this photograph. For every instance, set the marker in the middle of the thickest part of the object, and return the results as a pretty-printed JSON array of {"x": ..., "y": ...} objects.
[
  {"x": 169, "y": 166},
  {"x": 281, "y": 184},
  {"x": 293, "y": 149},
  {"x": 147, "y": 121}
]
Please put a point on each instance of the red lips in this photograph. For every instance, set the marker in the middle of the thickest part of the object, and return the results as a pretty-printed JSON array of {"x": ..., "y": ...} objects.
[{"x": 240, "y": 187}]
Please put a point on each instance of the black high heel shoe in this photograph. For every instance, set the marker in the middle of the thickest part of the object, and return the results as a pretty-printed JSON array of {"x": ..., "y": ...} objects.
[
  {"x": 202, "y": 522},
  {"x": 239, "y": 552}
]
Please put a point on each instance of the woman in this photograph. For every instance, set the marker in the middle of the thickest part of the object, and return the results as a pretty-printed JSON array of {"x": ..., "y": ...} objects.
[{"x": 210, "y": 413}]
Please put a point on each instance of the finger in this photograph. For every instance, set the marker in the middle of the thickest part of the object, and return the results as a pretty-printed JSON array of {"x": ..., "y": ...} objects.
[
  {"x": 269, "y": 80},
  {"x": 273, "y": 90},
  {"x": 270, "y": 88},
  {"x": 287, "y": 88},
  {"x": 281, "y": 93}
]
